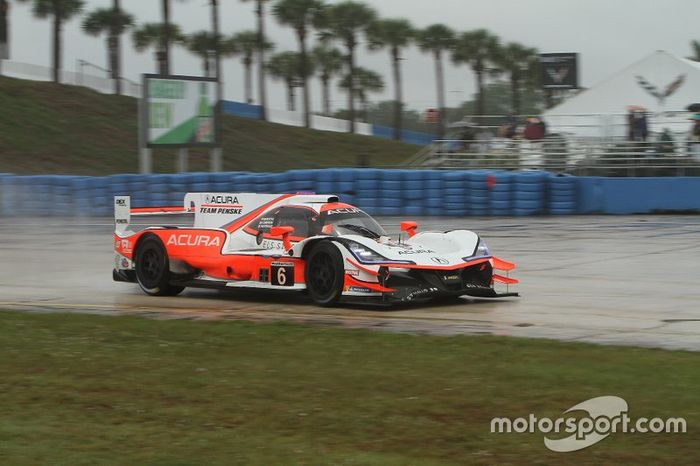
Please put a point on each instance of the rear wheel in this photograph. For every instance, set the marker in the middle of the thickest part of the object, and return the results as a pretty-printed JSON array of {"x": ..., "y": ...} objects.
[
  {"x": 153, "y": 268},
  {"x": 325, "y": 274}
]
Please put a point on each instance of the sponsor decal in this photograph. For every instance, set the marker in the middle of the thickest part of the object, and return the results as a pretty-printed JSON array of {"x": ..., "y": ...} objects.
[
  {"x": 420, "y": 292},
  {"x": 220, "y": 199},
  {"x": 416, "y": 251},
  {"x": 186, "y": 239},
  {"x": 345, "y": 210},
  {"x": 272, "y": 244},
  {"x": 352, "y": 272},
  {"x": 439, "y": 260},
  {"x": 121, "y": 202},
  {"x": 121, "y": 221},
  {"x": 359, "y": 289},
  {"x": 221, "y": 210}
]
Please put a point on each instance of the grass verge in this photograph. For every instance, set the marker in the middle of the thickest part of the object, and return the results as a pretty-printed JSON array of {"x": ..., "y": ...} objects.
[
  {"x": 86, "y": 390},
  {"x": 60, "y": 129}
]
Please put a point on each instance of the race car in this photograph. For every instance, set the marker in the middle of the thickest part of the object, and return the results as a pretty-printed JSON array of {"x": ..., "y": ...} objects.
[{"x": 301, "y": 242}]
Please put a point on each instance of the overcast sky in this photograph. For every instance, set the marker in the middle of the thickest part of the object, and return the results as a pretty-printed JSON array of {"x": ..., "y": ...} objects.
[{"x": 608, "y": 35}]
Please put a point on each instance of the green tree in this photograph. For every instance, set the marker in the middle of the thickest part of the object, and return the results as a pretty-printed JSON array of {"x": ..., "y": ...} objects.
[
  {"x": 477, "y": 49},
  {"x": 301, "y": 15},
  {"x": 151, "y": 35},
  {"x": 345, "y": 22},
  {"x": 60, "y": 11},
  {"x": 245, "y": 44},
  {"x": 520, "y": 64},
  {"x": 167, "y": 38},
  {"x": 260, "y": 14},
  {"x": 113, "y": 22},
  {"x": 202, "y": 44},
  {"x": 361, "y": 84},
  {"x": 394, "y": 35},
  {"x": 329, "y": 62},
  {"x": 437, "y": 40},
  {"x": 286, "y": 67}
]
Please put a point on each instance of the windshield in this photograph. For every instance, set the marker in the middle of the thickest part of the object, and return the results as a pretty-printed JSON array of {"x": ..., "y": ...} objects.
[{"x": 349, "y": 221}]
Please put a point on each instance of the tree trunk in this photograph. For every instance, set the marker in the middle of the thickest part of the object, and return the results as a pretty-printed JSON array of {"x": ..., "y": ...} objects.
[
  {"x": 480, "y": 103},
  {"x": 440, "y": 79},
  {"x": 261, "y": 60},
  {"x": 206, "y": 66},
  {"x": 325, "y": 84},
  {"x": 398, "y": 97},
  {"x": 291, "y": 98},
  {"x": 165, "y": 46},
  {"x": 56, "y": 61},
  {"x": 351, "y": 90},
  {"x": 248, "y": 80},
  {"x": 117, "y": 56},
  {"x": 515, "y": 93},
  {"x": 303, "y": 64}
]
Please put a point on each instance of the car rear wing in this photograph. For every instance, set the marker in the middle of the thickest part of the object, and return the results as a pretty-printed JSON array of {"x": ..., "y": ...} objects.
[{"x": 123, "y": 212}]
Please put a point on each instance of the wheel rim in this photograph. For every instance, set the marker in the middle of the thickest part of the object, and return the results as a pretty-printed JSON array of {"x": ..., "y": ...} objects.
[
  {"x": 151, "y": 265},
  {"x": 322, "y": 274}
]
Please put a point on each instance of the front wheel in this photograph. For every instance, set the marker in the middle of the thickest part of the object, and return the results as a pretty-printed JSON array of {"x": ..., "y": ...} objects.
[
  {"x": 153, "y": 268},
  {"x": 325, "y": 274}
]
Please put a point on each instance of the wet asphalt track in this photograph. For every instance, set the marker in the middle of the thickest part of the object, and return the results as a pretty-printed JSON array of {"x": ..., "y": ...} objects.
[{"x": 612, "y": 280}]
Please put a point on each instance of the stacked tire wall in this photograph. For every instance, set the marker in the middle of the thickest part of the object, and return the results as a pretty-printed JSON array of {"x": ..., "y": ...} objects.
[{"x": 406, "y": 193}]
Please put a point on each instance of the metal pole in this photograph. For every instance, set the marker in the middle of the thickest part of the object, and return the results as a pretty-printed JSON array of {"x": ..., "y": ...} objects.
[
  {"x": 216, "y": 157},
  {"x": 182, "y": 160},
  {"x": 145, "y": 161}
]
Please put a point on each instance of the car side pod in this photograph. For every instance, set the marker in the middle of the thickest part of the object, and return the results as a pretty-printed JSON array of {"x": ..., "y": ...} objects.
[
  {"x": 410, "y": 228},
  {"x": 284, "y": 232}
]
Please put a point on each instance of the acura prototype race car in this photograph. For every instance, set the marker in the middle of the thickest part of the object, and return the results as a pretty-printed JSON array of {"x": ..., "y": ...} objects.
[{"x": 300, "y": 242}]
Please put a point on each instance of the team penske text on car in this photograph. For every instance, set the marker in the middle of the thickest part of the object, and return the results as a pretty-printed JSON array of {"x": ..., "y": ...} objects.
[{"x": 300, "y": 242}]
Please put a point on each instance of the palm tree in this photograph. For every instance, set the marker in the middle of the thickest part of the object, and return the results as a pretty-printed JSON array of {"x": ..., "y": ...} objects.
[
  {"x": 60, "y": 11},
  {"x": 362, "y": 83},
  {"x": 245, "y": 44},
  {"x": 477, "y": 49},
  {"x": 114, "y": 22},
  {"x": 166, "y": 39},
  {"x": 345, "y": 21},
  {"x": 286, "y": 67},
  {"x": 202, "y": 44},
  {"x": 151, "y": 35},
  {"x": 260, "y": 13},
  {"x": 329, "y": 62},
  {"x": 300, "y": 15},
  {"x": 393, "y": 34},
  {"x": 438, "y": 39},
  {"x": 695, "y": 45},
  {"x": 518, "y": 62}
]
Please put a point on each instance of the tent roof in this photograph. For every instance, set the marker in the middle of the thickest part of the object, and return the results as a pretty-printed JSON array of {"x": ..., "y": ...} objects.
[{"x": 614, "y": 94}]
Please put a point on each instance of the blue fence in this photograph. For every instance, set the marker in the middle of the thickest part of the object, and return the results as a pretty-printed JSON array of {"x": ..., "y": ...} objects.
[{"x": 379, "y": 192}]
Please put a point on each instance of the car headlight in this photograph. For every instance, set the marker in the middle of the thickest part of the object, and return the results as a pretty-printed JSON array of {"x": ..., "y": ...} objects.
[
  {"x": 480, "y": 251},
  {"x": 364, "y": 253}
]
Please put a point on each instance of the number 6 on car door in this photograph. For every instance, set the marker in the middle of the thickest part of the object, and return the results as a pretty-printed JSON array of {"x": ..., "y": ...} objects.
[{"x": 282, "y": 273}]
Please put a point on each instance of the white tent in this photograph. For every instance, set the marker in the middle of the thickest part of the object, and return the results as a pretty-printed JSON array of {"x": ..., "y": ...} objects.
[{"x": 662, "y": 83}]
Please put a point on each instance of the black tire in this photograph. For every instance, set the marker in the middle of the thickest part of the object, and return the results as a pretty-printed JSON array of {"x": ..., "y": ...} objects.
[
  {"x": 324, "y": 274},
  {"x": 153, "y": 268}
]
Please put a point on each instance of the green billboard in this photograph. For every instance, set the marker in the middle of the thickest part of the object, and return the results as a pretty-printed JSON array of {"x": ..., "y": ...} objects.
[{"x": 179, "y": 111}]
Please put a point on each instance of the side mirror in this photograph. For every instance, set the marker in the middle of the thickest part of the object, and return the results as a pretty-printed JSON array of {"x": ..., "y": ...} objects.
[
  {"x": 410, "y": 228},
  {"x": 284, "y": 232}
]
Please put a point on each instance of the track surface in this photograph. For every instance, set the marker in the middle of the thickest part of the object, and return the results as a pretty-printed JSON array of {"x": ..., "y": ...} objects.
[{"x": 615, "y": 280}]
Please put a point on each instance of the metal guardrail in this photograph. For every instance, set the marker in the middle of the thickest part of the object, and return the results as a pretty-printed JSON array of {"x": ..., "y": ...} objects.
[{"x": 576, "y": 157}]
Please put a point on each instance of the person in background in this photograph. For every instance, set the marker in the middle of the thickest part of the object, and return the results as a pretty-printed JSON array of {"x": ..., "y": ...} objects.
[
  {"x": 534, "y": 129},
  {"x": 694, "y": 137},
  {"x": 640, "y": 127},
  {"x": 665, "y": 145}
]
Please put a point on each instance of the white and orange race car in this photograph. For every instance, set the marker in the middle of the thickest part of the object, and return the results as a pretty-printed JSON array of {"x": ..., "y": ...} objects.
[{"x": 300, "y": 242}]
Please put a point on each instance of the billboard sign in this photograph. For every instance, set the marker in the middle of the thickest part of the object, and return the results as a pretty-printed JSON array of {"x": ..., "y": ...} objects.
[
  {"x": 179, "y": 111},
  {"x": 559, "y": 70}
]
